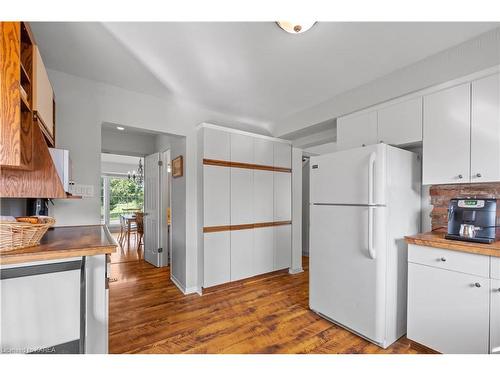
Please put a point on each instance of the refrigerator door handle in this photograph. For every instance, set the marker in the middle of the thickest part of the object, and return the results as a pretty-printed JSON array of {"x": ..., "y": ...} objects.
[
  {"x": 371, "y": 247},
  {"x": 371, "y": 177}
]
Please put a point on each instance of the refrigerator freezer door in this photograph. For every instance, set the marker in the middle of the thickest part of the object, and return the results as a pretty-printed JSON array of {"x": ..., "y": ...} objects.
[
  {"x": 345, "y": 177},
  {"x": 346, "y": 284}
]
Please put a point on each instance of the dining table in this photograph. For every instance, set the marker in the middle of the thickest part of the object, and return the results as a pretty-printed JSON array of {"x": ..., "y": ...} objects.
[{"x": 129, "y": 220}]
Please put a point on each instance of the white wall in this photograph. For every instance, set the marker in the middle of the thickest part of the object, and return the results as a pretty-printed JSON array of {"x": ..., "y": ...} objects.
[
  {"x": 127, "y": 143},
  {"x": 322, "y": 149},
  {"x": 471, "y": 56},
  {"x": 84, "y": 105}
]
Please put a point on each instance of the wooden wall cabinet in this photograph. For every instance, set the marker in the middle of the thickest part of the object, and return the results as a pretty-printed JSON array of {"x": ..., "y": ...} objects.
[
  {"x": 16, "y": 96},
  {"x": 27, "y": 169}
]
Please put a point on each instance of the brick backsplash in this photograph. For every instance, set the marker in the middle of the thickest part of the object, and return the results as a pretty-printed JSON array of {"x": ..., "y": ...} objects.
[{"x": 441, "y": 195}]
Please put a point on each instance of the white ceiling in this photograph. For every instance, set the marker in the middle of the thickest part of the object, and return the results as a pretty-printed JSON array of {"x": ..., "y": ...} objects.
[{"x": 247, "y": 69}]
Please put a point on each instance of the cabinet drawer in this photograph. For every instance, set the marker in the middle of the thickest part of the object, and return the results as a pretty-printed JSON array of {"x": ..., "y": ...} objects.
[
  {"x": 495, "y": 268},
  {"x": 450, "y": 260}
]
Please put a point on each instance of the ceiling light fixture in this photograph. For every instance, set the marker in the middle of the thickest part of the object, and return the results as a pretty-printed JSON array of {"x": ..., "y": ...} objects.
[
  {"x": 120, "y": 128},
  {"x": 294, "y": 27}
]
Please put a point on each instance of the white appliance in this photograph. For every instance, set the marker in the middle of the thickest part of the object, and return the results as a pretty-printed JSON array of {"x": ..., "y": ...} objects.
[
  {"x": 363, "y": 202},
  {"x": 62, "y": 162}
]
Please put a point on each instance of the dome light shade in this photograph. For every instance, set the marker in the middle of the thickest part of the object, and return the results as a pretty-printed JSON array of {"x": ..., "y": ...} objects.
[{"x": 295, "y": 27}]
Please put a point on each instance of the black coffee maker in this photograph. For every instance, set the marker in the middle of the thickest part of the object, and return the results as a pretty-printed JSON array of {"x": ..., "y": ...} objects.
[
  {"x": 472, "y": 219},
  {"x": 37, "y": 207}
]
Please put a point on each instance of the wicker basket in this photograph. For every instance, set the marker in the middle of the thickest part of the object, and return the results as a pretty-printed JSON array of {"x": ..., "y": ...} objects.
[{"x": 17, "y": 235}]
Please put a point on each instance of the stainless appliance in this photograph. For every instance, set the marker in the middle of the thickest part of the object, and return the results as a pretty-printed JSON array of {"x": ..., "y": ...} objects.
[{"x": 472, "y": 219}]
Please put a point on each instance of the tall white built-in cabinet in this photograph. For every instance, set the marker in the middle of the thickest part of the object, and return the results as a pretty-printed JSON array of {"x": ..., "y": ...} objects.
[{"x": 247, "y": 207}]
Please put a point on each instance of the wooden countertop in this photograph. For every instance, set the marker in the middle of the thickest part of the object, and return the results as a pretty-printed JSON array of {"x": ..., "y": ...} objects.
[
  {"x": 65, "y": 242},
  {"x": 436, "y": 239}
]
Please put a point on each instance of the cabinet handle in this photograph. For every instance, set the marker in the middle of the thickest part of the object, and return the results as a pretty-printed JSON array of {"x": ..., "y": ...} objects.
[
  {"x": 460, "y": 176},
  {"x": 443, "y": 259},
  {"x": 477, "y": 285},
  {"x": 498, "y": 290},
  {"x": 478, "y": 175},
  {"x": 363, "y": 145}
]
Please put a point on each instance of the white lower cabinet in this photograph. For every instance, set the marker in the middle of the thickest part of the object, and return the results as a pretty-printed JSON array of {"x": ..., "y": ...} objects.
[
  {"x": 242, "y": 254},
  {"x": 495, "y": 317},
  {"x": 263, "y": 250},
  {"x": 217, "y": 258},
  {"x": 282, "y": 246}
]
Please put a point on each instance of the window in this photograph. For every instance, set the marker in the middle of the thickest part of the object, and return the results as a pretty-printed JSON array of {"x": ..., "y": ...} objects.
[{"x": 119, "y": 195}]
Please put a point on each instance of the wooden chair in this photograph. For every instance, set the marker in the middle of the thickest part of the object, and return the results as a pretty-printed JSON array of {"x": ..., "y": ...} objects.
[
  {"x": 123, "y": 230},
  {"x": 139, "y": 217}
]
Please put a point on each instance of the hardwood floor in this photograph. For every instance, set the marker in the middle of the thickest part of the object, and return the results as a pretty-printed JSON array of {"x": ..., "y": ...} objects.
[{"x": 265, "y": 314}]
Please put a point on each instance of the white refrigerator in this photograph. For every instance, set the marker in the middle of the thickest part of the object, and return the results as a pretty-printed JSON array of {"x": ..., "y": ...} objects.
[{"x": 363, "y": 202}]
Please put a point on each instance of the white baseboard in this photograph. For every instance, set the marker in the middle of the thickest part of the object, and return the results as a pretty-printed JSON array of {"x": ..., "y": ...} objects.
[
  {"x": 183, "y": 289},
  {"x": 295, "y": 270}
]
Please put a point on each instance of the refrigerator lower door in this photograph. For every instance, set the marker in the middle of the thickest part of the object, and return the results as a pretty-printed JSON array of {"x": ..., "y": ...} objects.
[
  {"x": 347, "y": 281},
  {"x": 355, "y": 176}
]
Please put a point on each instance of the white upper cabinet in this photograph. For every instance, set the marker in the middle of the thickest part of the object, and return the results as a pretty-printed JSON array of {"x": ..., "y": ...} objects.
[
  {"x": 357, "y": 131},
  {"x": 242, "y": 148},
  {"x": 263, "y": 151},
  {"x": 241, "y": 196},
  {"x": 216, "y": 193},
  {"x": 282, "y": 155},
  {"x": 485, "y": 130},
  {"x": 216, "y": 144},
  {"x": 446, "y": 145},
  {"x": 401, "y": 123},
  {"x": 263, "y": 196}
]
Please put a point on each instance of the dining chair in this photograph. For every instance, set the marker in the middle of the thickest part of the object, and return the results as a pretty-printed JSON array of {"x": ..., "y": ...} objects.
[{"x": 139, "y": 219}]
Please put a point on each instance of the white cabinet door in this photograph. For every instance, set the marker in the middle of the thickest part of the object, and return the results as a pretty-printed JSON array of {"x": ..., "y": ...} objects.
[
  {"x": 446, "y": 144},
  {"x": 216, "y": 195},
  {"x": 241, "y": 196},
  {"x": 216, "y": 258},
  {"x": 263, "y": 250},
  {"x": 282, "y": 246},
  {"x": 241, "y": 254},
  {"x": 216, "y": 144},
  {"x": 43, "y": 94},
  {"x": 282, "y": 155},
  {"x": 263, "y": 151},
  {"x": 495, "y": 268},
  {"x": 485, "y": 130},
  {"x": 357, "y": 131},
  {"x": 401, "y": 123},
  {"x": 263, "y": 196},
  {"x": 446, "y": 311},
  {"x": 282, "y": 196},
  {"x": 495, "y": 317},
  {"x": 242, "y": 148}
]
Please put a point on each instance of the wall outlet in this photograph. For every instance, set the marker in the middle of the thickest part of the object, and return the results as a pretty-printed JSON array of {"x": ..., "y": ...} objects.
[{"x": 85, "y": 191}]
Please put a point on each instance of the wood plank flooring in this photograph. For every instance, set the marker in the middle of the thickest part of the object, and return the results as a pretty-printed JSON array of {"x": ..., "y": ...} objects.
[{"x": 265, "y": 314}]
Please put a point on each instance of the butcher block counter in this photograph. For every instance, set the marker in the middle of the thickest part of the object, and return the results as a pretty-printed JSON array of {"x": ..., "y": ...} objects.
[
  {"x": 436, "y": 239},
  {"x": 65, "y": 242}
]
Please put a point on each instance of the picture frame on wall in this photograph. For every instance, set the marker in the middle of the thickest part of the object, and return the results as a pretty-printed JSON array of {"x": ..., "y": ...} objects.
[{"x": 177, "y": 167}]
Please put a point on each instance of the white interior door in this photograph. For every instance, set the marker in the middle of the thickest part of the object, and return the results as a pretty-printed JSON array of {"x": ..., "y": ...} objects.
[
  {"x": 152, "y": 204},
  {"x": 346, "y": 284}
]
